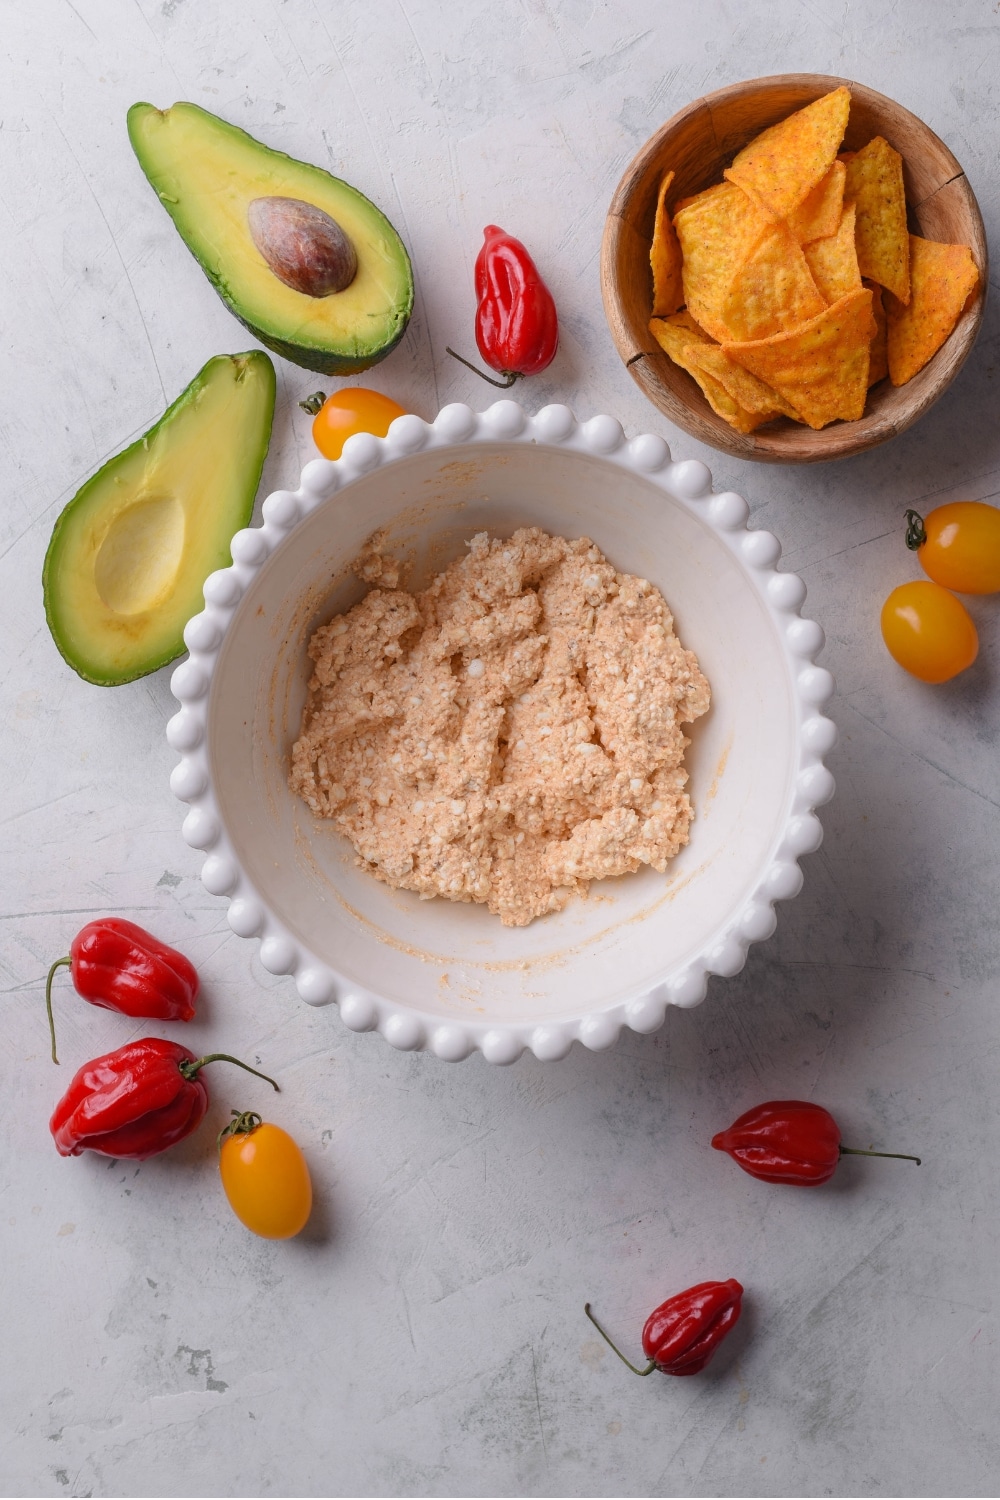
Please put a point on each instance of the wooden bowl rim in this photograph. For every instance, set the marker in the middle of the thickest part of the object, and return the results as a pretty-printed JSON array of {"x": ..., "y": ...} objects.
[{"x": 771, "y": 444}]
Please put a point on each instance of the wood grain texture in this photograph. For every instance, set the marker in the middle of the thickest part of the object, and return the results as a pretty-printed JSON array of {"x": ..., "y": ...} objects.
[{"x": 697, "y": 143}]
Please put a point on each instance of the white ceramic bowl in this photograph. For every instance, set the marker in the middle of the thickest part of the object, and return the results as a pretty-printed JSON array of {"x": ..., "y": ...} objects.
[{"x": 444, "y": 975}]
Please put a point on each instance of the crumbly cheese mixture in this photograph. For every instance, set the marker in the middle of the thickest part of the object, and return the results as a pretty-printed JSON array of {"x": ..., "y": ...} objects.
[{"x": 509, "y": 734}]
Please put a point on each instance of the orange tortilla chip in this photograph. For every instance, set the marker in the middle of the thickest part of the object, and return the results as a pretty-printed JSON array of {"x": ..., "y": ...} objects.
[
  {"x": 697, "y": 197},
  {"x": 819, "y": 212},
  {"x": 878, "y": 367},
  {"x": 942, "y": 277},
  {"x": 716, "y": 231},
  {"x": 681, "y": 342},
  {"x": 676, "y": 332},
  {"x": 772, "y": 291},
  {"x": 785, "y": 162},
  {"x": 822, "y": 367},
  {"x": 875, "y": 182},
  {"x": 665, "y": 257},
  {"x": 745, "y": 389},
  {"x": 683, "y": 319},
  {"x": 834, "y": 261}
]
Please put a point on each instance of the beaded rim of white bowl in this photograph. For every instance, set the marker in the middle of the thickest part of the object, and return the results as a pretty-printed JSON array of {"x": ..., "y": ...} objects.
[{"x": 758, "y": 552}]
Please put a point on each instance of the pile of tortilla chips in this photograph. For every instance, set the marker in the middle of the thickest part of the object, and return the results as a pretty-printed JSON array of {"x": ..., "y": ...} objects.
[{"x": 793, "y": 286}]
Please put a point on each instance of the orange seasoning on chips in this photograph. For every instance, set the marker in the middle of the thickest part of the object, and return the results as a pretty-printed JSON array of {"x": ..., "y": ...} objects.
[
  {"x": 783, "y": 164},
  {"x": 792, "y": 286},
  {"x": 821, "y": 367},
  {"x": 875, "y": 184},
  {"x": 942, "y": 278},
  {"x": 818, "y": 215},
  {"x": 878, "y": 367},
  {"x": 665, "y": 258},
  {"x": 680, "y": 337},
  {"x": 833, "y": 260}
]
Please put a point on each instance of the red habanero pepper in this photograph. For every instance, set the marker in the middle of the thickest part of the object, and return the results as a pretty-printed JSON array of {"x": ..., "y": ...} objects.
[
  {"x": 120, "y": 966},
  {"x": 789, "y": 1140},
  {"x": 517, "y": 329},
  {"x": 683, "y": 1333},
  {"x": 135, "y": 1102}
]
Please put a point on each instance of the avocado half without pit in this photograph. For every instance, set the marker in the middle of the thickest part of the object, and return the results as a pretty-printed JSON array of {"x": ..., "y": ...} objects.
[
  {"x": 131, "y": 551},
  {"x": 305, "y": 261}
]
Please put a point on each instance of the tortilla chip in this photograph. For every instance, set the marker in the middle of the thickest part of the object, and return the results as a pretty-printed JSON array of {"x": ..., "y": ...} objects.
[
  {"x": 773, "y": 291},
  {"x": 665, "y": 257},
  {"x": 942, "y": 278},
  {"x": 745, "y": 389},
  {"x": 878, "y": 367},
  {"x": 819, "y": 212},
  {"x": 834, "y": 261},
  {"x": 822, "y": 367},
  {"x": 675, "y": 333},
  {"x": 786, "y": 162},
  {"x": 681, "y": 343},
  {"x": 875, "y": 182},
  {"x": 683, "y": 319},
  {"x": 716, "y": 231},
  {"x": 697, "y": 197}
]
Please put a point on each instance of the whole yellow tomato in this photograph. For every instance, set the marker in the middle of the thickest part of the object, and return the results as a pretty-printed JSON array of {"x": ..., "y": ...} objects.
[
  {"x": 265, "y": 1177},
  {"x": 346, "y": 412},
  {"x": 958, "y": 545},
  {"x": 928, "y": 631}
]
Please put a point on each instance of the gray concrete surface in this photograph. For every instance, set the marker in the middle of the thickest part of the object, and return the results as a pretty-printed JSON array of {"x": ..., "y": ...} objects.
[{"x": 426, "y": 1335}]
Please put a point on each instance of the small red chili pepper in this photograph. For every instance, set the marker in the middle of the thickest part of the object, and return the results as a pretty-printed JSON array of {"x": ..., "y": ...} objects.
[
  {"x": 683, "y": 1333},
  {"x": 789, "y": 1140},
  {"x": 516, "y": 325},
  {"x": 137, "y": 1101},
  {"x": 120, "y": 966}
]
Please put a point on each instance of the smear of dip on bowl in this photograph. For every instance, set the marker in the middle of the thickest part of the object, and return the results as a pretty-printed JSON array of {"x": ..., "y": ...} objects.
[{"x": 509, "y": 734}]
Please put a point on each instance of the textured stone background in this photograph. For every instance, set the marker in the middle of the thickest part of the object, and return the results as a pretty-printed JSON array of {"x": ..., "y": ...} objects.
[{"x": 426, "y": 1335}]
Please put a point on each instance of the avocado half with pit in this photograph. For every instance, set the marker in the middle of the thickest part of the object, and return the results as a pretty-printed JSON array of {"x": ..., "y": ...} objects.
[
  {"x": 129, "y": 554},
  {"x": 313, "y": 269}
]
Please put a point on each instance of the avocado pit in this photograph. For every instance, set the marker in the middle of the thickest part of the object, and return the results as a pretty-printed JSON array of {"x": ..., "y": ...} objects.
[{"x": 305, "y": 248}]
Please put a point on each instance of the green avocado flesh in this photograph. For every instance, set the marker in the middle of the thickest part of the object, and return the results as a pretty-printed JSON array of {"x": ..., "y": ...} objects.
[
  {"x": 208, "y": 173},
  {"x": 131, "y": 551}
]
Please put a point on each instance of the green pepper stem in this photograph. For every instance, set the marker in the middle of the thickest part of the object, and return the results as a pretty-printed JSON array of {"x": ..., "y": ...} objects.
[
  {"x": 896, "y": 1155},
  {"x": 312, "y": 403},
  {"x": 244, "y": 1122},
  {"x": 916, "y": 536},
  {"x": 509, "y": 376},
  {"x": 191, "y": 1069},
  {"x": 48, "y": 1002},
  {"x": 635, "y": 1370}
]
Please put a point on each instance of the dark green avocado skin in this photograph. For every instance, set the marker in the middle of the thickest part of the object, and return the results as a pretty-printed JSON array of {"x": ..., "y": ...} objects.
[
  {"x": 316, "y": 359},
  {"x": 306, "y": 356},
  {"x": 309, "y": 355}
]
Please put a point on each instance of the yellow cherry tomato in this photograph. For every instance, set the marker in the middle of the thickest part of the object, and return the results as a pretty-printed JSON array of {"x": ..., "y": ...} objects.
[
  {"x": 349, "y": 411},
  {"x": 265, "y": 1177},
  {"x": 958, "y": 545},
  {"x": 928, "y": 631}
]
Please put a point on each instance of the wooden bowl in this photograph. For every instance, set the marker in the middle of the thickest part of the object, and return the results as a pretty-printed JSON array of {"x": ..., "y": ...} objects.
[{"x": 697, "y": 144}]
